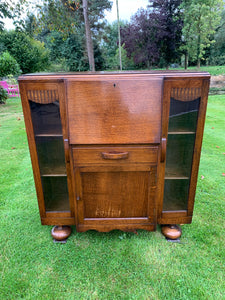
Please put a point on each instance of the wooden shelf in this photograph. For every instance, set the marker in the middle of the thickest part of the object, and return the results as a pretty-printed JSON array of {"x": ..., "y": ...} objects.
[
  {"x": 184, "y": 123},
  {"x": 175, "y": 173},
  {"x": 57, "y": 203},
  {"x": 174, "y": 204},
  {"x": 181, "y": 132},
  {"x": 176, "y": 194},
  {"x": 176, "y": 177},
  {"x": 55, "y": 193},
  {"x": 49, "y": 135},
  {"x": 53, "y": 175}
]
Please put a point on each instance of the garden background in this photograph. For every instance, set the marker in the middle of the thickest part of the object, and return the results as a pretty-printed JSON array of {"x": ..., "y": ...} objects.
[{"x": 115, "y": 265}]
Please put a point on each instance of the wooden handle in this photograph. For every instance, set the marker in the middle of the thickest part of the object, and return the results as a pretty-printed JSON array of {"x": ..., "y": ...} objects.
[
  {"x": 115, "y": 155},
  {"x": 163, "y": 150},
  {"x": 66, "y": 149}
]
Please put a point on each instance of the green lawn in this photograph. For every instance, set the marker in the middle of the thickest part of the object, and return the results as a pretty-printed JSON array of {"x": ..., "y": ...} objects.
[
  {"x": 111, "y": 265},
  {"x": 213, "y": 70}
]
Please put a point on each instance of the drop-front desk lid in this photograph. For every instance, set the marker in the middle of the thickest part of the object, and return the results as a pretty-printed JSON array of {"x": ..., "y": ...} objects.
[{"x": 114, "y": 110}]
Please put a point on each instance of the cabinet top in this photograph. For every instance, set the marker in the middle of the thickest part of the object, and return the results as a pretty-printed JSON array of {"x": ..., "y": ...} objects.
[{"x": 89, "y": 75}]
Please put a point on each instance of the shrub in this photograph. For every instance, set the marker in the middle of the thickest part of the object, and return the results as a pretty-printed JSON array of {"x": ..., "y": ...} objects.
[
  {"x": 30, "y": 54},
  {"x": 8, "y": 65},
  {"x": 218, "y": 60},
  {"x": 3, "y": 95}
]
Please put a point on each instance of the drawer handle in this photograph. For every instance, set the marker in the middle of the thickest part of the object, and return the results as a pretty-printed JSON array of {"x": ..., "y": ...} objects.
[{"x": 115, "y": 155}]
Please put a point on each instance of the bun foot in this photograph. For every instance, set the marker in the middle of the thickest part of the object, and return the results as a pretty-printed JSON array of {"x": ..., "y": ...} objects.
[
  {"x": 60, "y": 233},
  {"x": 171, "y": 232}
]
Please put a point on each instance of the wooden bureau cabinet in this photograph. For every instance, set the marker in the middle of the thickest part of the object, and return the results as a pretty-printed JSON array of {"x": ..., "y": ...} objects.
[{"x": 115, "y": 151}]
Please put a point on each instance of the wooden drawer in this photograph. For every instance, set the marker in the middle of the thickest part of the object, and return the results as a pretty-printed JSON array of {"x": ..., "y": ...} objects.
[{"x": 114, "y": 155}]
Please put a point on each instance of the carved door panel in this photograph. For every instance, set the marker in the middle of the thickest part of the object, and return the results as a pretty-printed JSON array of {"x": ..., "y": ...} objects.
[{"x": 116, "y": 193}]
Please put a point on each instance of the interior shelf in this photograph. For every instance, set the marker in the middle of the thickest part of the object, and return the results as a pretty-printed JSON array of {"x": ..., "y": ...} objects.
[
  {"x": 177, "y": 172},
  {"x": 51, "y": 156},
  {"x": 48, "y": 134},
  {"x": 175, "y": 194},
  {"x": 57, "y": 203},
  {"x": 55, "y": 174},
  {"x": 55, "y": 193},
  {"x": 181, "y": 132},
  {"x": 179, "y": 156},
  {"x": 183, "y": 117}
]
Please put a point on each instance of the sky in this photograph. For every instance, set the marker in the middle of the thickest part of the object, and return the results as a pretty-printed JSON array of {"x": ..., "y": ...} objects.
[{"x": 127, "y": 8}]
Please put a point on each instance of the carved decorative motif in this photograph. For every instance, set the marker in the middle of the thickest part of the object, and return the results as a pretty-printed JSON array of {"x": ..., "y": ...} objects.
[
  {"x": 43, "y": 96},
  {"x": 185, "y": 94}
]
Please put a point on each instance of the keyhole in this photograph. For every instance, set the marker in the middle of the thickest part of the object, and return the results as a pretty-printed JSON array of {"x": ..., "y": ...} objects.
[{"x": 114, "y": 85}]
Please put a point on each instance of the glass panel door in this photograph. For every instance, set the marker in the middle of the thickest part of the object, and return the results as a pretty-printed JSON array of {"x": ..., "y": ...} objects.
[
  {"x": 180, "y": 146},
  {"x": 50, "y": 149}
]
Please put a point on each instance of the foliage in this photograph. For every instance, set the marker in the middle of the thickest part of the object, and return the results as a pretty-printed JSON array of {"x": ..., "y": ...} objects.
[
  {"x": 201, "y": 17},
  {"x": 12, "y": 79},
  {"x": 30, "y": 54},
  {"x": 168, "y": 18},
  {"x": 70, "y": 51},
  {"x": 73, "y": 54},
  {"x": 112, "y": 265},
  {"x": 110, "y": 51},
  {"x": 153, "y": 36},
  {"x": 140, "y": 39},
  {"x": 217, "y": 55},
  {"x": 30, "y": 24},
  {"x": 13, "y": 10},
  {"x": 8, "y": 65},
  {"x": 55, "y": 43},
  {"x": 3, "y": 95},
  {"x": 127, "y": 63},
  {"x": 5, "y": 12},
  {"x": 67, "y": 18}
]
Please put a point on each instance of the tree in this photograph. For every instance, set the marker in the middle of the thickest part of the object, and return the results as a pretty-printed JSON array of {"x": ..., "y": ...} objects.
[
  {"x": 140, "y": 39},
  {"x": 5, "y": 12},
  {"x": 217, "y": 53},
  {"x": 89, "y": 42},
  {"x": 201, "y": 17},
  {"x": 168, "y": 18},
  {"x": 11, "y": 9},
  {"x": 119, "y": 38},
  {"x": 109, "y": 45},
  {"x": 153, "y": 36},
  {"x": 72, "y": 17}
]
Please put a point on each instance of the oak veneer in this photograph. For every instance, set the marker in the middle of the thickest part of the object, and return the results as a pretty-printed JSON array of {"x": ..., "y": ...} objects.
[{"x": 115, "y": 150}]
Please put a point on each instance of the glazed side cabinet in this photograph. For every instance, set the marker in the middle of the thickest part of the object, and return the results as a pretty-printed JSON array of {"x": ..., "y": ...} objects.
[{"x": 115, "y": 151}]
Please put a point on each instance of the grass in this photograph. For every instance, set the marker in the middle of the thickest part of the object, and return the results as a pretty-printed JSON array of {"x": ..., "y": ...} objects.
[
  {"x": 213, "y": 70},
  {"x": 111, "y": 265}
]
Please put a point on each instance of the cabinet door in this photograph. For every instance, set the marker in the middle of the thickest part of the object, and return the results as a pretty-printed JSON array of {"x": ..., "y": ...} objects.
[
  {"x": 44, "y": 110},
  {"x": 114, "y": 193},
  {"x": 184, "y": 110}
]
